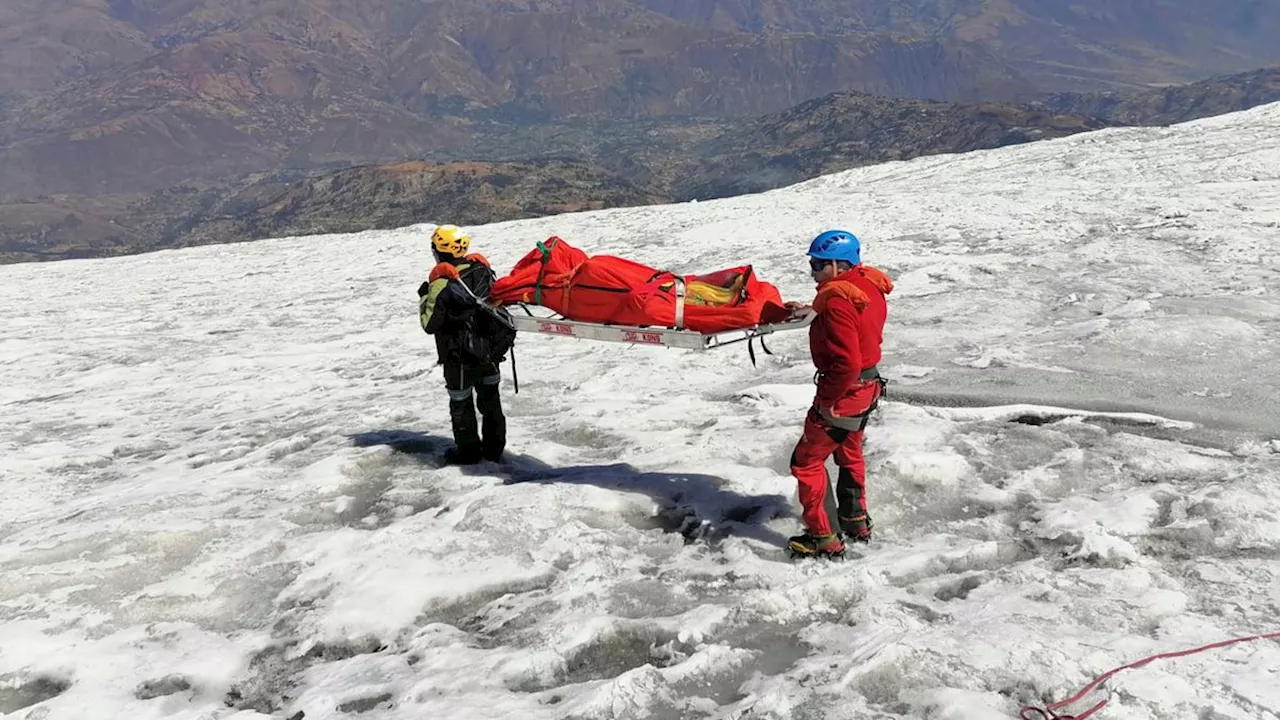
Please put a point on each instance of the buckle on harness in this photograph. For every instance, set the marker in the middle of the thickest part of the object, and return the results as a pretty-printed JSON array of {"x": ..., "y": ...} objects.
[
  {"x": 852, "y": 423},
  {"x": 856, "y": 423},
  {"x": 871, "y": 374}
]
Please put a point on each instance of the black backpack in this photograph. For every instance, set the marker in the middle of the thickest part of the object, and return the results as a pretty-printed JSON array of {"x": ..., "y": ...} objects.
[{"x": 488, "y": 332}]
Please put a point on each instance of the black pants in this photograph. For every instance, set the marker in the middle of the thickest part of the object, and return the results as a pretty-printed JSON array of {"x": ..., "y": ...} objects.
[{"x": 473, "y": 387}]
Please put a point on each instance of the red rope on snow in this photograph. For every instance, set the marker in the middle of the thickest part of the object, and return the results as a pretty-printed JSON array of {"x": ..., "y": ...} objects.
[{"x": 1049, "y": 712}]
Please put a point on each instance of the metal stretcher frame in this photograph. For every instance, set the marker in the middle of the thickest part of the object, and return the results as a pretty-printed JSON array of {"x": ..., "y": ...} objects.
[{"x": 651, "y": 335}]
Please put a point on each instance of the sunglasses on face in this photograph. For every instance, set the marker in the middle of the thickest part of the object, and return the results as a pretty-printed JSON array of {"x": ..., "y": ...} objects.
[{"x": 818, "y": 265}]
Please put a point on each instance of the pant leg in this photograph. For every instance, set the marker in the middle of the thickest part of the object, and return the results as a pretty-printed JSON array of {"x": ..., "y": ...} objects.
[
  {"x": 462, "y": 409},
  {"x": 809, "y": 467},
  {"x": 493, "y": 421},
  {"x": 852, "y": 483}
]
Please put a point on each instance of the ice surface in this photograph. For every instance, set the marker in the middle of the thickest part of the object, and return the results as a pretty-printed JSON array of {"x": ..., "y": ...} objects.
[{"x": 219, "y": 499}]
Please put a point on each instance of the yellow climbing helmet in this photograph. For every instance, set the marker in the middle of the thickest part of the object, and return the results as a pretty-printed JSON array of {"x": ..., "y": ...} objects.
[{"x": 450, "y": 240}]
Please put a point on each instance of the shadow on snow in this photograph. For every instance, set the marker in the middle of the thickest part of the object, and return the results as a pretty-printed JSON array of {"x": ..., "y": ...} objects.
[{"x": 695, "y": 505}]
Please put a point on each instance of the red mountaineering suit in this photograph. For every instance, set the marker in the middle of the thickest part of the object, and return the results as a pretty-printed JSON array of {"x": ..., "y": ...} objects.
[{"x": 844, "y": 340}]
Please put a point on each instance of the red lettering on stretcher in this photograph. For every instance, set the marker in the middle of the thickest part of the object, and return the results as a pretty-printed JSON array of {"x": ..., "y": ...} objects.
[
  {"x": 555, "y": 328},
  {"x": 642, "y": 337}
]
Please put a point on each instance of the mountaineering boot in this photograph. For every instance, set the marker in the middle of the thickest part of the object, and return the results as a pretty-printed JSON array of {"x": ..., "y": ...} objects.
[
  {"x": 809, "y": 545},
  {"x": 466, "y": 436},
  {"x": 857, "y": 528},
  {"x": 493, "y": 423},
  {"x": 458, "y": 455}
]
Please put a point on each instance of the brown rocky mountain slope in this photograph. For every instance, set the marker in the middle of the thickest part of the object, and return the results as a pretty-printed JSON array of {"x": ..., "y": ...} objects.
[
  {"x": 1055, "y": 44},
  {"x": 135, "y": 96},
  {"x": 1165, "y": 106},
  {"x": 109, "y": 106},
  {"x": 238, "y": 86},
  {"x": 628, "y": 166},
  {"x": 593, "y": 165},
  {"x": 44, "y": 43},
  {"x": 833, "y": 133},
  {"x": 125, "y": 96},
  {"x": 846, "y": 130},
  {"x": 59, "y": 227}
]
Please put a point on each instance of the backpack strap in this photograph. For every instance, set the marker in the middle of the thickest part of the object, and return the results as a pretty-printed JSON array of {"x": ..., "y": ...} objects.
[{"x": 467, "y": 287}]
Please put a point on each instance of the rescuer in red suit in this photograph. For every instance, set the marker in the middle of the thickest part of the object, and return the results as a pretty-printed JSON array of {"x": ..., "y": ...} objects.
[{"x": 844, "y": 340}]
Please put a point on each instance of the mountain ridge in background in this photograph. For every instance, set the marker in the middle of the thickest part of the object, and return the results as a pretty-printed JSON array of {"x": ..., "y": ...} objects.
[{"x": 137, "y": 124}]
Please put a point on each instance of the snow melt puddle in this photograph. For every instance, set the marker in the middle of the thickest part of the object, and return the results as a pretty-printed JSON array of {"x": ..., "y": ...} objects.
[{"x": 1020, "y": 552}]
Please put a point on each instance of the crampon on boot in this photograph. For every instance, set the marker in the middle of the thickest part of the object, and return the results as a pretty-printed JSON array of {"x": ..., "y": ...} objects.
[
  {"x": 809, "y": 545},
  {"x": 857, "y": 528}
]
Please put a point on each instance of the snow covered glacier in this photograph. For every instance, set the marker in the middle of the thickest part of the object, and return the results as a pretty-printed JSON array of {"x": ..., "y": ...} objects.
[{"x": 215, "y": 501}]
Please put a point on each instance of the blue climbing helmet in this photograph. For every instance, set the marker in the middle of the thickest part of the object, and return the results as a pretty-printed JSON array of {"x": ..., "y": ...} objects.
[{"x": 836, "y": 245}]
